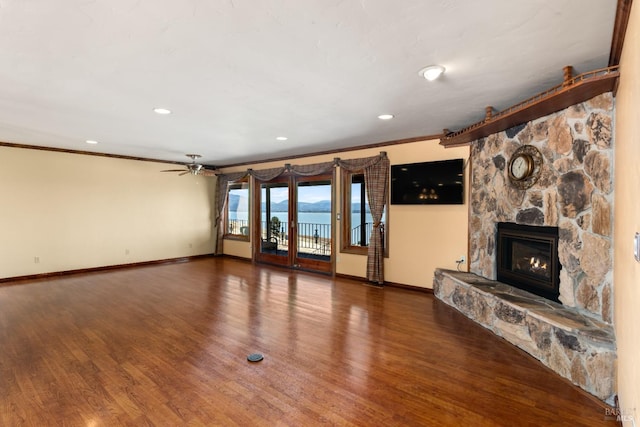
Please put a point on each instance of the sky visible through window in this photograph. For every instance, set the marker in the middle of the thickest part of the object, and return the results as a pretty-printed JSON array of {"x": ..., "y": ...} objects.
[{"x": 312, "y": 194}]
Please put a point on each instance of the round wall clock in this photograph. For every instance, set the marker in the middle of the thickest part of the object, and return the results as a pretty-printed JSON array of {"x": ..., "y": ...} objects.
[{"x": 525, "y": 167}]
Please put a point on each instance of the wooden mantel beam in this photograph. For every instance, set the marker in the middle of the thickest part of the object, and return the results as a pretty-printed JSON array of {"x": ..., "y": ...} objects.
[{"x": 573, "y": 90}]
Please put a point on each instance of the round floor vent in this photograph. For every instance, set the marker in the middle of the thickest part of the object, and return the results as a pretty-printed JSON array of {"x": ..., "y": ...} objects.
[{"x": 255, "y": 357}]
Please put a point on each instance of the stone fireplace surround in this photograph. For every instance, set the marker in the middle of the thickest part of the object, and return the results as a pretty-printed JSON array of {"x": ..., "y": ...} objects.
[{"x": 575, "y": 193}]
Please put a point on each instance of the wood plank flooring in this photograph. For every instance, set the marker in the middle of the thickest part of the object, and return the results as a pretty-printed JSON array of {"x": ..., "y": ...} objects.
[{"x": 167, "y": 345}]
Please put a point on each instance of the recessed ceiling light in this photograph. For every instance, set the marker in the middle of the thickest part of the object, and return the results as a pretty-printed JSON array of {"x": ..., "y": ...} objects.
[
  {"x": 281, "y": 138},
  {"x": 91, "y": 141},
  {"x": 432, "y": 72},
  {"x": 161, "y": 111},
  {"x": 385, "y": 116}
]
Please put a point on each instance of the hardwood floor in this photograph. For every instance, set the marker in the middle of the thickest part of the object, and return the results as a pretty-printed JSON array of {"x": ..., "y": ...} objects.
[{"x": 167, "y": 346}]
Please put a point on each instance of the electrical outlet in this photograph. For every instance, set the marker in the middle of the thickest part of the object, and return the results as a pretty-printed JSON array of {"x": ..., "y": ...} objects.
[
  {"x": 126, "y": 251},
  {"x": 36, "y": 260},
  {"x": 461, "y": 259}
]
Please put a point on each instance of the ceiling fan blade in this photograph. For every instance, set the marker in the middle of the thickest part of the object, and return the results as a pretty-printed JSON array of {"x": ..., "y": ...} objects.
[
  {"x": 193, "y": 168},
  {"x": 207, "y": 172}
]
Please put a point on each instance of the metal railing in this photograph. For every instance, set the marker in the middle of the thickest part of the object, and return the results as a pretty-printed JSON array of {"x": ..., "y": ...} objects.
[
  {"x": 312, "y": 238},
  {"x": 357, "y": 238},
  {"x": 238, "y": 226}
]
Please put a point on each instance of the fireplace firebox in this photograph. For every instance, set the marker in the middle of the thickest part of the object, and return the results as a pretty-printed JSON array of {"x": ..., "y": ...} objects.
[{"x": 527, "y": 258}]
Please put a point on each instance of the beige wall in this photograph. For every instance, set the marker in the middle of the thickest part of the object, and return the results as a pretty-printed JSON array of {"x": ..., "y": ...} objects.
[
  {"x": 627, "y": 222},
  {"x": 421, "y": 238},
  {"x": 75, "y": 211}
]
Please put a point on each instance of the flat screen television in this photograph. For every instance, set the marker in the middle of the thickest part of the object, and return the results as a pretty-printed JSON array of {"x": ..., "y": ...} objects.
[{"x": 428, "y": 183}]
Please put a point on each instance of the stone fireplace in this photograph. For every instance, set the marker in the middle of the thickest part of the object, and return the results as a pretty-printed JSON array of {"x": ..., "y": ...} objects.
[
  {"x": 569, "y": 327},
  {"x": 527, "y": 258},
  {"x": 573, "y": 193}
]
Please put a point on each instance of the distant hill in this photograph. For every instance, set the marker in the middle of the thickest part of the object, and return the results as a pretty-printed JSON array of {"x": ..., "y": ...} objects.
[
  {"x": 321, "y": 206},
  {"x": 234, "y": 201},
  {"x": 283, "y": 206}
]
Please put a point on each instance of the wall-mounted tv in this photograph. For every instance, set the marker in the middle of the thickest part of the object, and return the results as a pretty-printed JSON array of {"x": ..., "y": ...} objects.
[{"x": 429, "y": 183}]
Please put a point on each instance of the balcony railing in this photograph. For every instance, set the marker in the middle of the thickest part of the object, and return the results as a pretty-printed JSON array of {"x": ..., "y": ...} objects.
[
  {"x": 359, "y": 239},
  {"x": 312, "y": 238},
  {"x": 238, "y": 226}
]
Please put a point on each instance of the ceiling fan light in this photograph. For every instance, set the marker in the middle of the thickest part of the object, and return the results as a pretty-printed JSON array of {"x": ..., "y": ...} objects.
[
  {"x": 432, "y": 72},
  {"x": 194, "y": 168}
]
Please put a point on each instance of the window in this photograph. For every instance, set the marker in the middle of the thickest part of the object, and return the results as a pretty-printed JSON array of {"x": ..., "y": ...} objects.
[
  {"x": 237, "y": 212},
  {"x": 357, "y": 221}
]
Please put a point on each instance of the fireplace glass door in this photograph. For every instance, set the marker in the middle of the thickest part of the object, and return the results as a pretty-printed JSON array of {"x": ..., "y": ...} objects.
[
  {"x": 531, "y": 258},
  {"x": 527, "y": 258}
]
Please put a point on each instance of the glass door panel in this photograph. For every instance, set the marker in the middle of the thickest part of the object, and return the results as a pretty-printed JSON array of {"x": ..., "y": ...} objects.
[
  {"x": 273, "y": 233},
  {"x": 313, "y": 220}
]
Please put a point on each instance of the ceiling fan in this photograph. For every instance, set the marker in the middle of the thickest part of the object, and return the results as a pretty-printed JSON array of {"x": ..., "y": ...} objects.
[{"x": 193, "y": 168}]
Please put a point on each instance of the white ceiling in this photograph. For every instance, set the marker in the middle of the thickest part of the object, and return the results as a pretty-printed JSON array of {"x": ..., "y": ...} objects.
[{"x": 239, "y": 73}]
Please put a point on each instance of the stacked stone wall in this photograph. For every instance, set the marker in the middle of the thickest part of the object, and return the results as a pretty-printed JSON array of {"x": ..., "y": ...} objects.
[{"x": 574, "y": 192}]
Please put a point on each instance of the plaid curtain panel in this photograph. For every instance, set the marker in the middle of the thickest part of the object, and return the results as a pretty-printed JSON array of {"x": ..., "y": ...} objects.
[
  {"x": 376, "y": 179},
  {"x": 221, "y": 202}
]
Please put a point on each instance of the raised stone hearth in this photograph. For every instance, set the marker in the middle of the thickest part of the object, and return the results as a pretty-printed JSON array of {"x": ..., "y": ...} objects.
[{"x": 577, "y": 347}]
